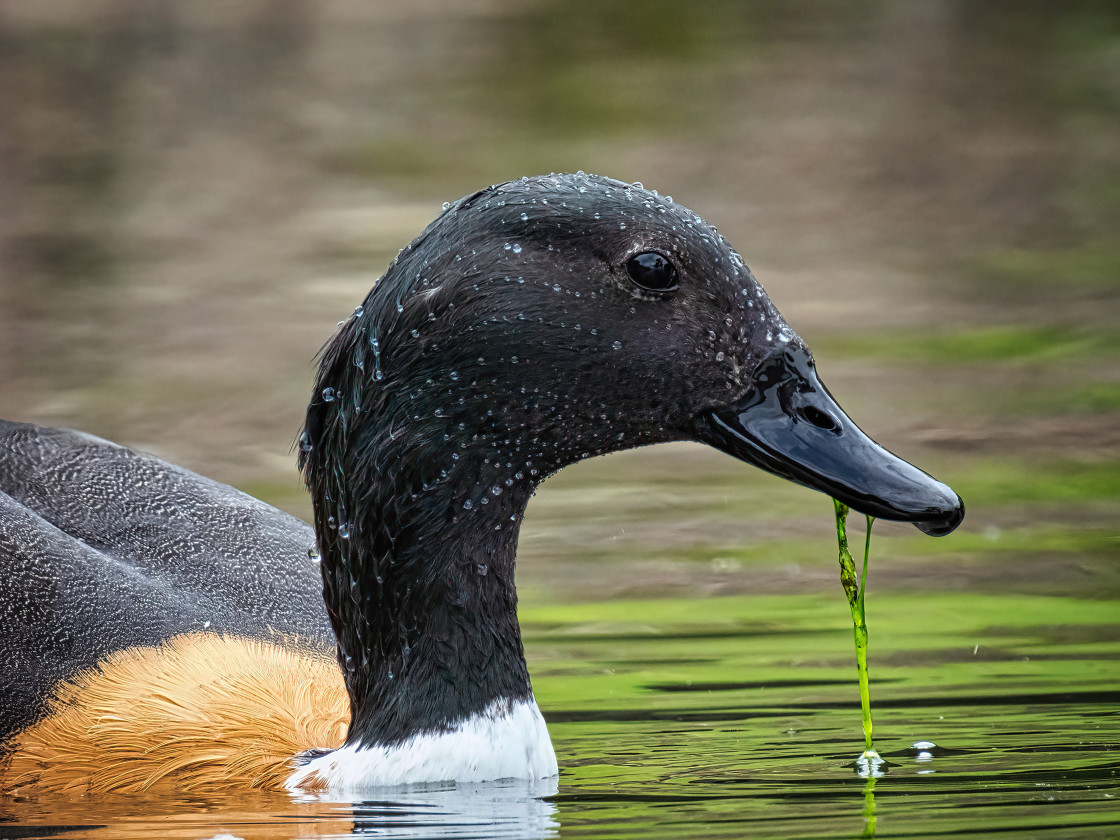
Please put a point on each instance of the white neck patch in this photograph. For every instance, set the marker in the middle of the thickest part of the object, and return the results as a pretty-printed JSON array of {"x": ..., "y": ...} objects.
[{"x": 506, "y": 740}]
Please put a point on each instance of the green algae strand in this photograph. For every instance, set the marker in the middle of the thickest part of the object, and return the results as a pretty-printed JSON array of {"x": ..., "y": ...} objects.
[{"x": 855, "y": 590}]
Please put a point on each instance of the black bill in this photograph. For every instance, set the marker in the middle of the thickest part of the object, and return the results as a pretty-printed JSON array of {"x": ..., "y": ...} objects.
[{"x": 791, "y": 426}]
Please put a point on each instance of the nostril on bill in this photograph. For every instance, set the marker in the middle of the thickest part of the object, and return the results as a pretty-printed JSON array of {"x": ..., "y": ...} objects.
[{"x": 817, "y": 417}]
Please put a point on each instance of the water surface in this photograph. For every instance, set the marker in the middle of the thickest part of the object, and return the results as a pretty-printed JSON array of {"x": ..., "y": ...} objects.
[{"x": 740, "y": 717}]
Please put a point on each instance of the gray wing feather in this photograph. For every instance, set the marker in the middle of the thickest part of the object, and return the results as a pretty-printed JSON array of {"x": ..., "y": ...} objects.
[{"x": 103, "y": 548}]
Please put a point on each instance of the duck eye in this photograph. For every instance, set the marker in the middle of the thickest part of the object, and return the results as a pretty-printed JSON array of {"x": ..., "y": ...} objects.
[{"x": 652, "y": 272}]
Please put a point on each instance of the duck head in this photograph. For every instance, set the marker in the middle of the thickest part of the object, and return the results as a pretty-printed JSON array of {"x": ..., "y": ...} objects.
[
  {"x": 531, "y": 325},
  {"x": 546, "y": 320}
]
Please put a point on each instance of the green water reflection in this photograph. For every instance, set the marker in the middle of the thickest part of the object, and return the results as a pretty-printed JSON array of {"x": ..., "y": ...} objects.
[{"x": 738, "y": 716}]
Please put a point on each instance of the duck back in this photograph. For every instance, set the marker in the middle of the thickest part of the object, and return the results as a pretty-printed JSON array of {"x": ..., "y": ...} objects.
[{"x": 103, "y": 548}]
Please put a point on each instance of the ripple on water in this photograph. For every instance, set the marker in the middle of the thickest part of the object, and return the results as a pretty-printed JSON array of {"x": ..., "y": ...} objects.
[{"x": 656, "y": 737}]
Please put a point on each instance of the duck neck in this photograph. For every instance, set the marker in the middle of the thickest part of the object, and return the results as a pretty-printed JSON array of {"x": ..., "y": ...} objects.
[
  {"x": 419, "y": 585},
  {"x": 420, "y": 463}
]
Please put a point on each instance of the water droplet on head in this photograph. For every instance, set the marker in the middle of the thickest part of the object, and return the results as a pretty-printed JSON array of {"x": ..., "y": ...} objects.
[
  {"x": 617, "y": 345},
  {"x": 482, "y": 569},
  {"x": 468, "y": 504},
  {"x": 328, "y": 395}
]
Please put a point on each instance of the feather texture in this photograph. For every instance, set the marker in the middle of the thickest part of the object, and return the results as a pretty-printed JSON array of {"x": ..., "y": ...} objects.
[{"x": 200, "y": 712}]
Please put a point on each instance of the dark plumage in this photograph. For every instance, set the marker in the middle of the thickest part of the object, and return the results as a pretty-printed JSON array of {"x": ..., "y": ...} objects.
[{"x": 504, "y": 343}]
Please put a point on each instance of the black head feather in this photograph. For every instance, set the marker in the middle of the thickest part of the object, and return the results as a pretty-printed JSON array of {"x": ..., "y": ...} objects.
[{"x": 508, "y": 340}]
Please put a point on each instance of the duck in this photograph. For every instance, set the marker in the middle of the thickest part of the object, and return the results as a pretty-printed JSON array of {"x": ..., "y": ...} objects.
[{"x": 161, "y": 628}]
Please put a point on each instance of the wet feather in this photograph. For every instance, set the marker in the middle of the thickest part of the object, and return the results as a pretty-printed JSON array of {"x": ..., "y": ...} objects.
[{"x": 201, "y": 711}]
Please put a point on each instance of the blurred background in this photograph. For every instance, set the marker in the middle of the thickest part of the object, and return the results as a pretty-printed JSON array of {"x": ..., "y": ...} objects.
[{"x": 193, "y": 194}]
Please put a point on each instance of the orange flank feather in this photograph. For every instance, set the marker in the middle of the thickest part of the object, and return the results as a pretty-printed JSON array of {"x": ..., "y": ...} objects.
[{"x": 200, "y": 712}]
